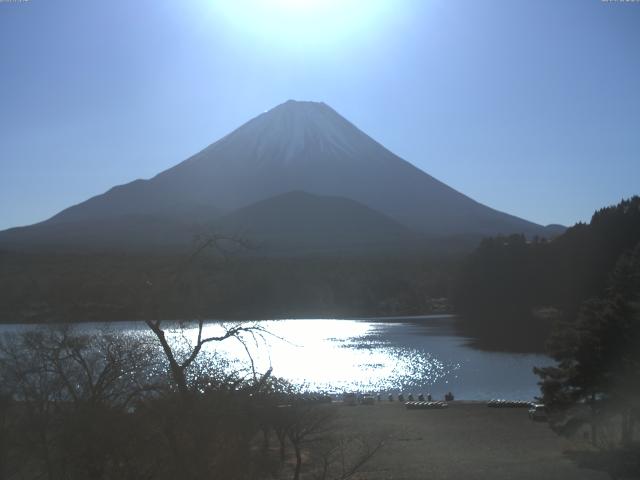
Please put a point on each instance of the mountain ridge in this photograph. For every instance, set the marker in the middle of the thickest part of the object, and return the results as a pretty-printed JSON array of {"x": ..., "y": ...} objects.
[
  {"x": 297, "y": 146},
  {"x": 300, "y": 222}
]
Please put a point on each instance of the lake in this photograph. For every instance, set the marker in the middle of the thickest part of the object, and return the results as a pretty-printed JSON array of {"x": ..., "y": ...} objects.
[{"x": 389, "y": 355}]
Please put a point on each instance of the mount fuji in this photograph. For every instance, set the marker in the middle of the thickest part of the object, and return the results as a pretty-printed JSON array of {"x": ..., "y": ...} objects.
[{"x": 299, "y": 164}]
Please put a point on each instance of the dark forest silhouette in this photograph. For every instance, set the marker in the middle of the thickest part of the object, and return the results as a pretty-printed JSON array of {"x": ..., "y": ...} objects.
[
  {"x": 511, "y": 290},
  {"x": 108, "y": 287}
]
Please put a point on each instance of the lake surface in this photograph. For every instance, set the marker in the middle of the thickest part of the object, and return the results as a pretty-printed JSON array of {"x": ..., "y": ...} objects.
[{"x": 406, "y": 354}]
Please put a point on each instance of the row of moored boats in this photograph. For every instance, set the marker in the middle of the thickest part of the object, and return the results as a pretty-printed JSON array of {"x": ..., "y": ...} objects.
[{"x": 499, "y": 403}]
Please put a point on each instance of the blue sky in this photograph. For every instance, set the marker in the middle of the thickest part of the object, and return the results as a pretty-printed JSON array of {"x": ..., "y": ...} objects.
[{"x": 531, "y": 107}]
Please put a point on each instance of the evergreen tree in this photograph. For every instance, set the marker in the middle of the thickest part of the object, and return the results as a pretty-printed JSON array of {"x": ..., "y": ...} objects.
[
  {"x": 502, "y": 287},
  {"x": 598, "y": 355}
]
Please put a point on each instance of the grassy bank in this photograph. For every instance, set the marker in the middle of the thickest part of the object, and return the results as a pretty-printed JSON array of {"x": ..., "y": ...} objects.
[{"x": 465, "y": 441}]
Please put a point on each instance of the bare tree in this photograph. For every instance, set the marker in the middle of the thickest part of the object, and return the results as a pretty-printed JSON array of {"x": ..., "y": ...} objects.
[
  {"x": 318, "y": 446},
  {"x": 5, "y": 432},
  {"x": 177, "y": 366},
  {"x": 306, "y": 424},
  {"x": 69, "y": 391},
  {"x": 222, "y": 246},
  {"x": 346, "y": 456}
]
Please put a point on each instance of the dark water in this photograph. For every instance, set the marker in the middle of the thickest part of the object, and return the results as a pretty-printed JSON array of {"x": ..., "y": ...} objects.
[{"x": 416, "y": 354}]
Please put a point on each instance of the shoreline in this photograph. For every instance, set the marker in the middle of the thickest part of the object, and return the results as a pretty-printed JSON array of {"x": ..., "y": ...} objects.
[{"x": 240, "y": 319}]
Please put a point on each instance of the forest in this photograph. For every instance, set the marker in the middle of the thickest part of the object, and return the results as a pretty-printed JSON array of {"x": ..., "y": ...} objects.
[
  {"x": 50, "y": 288},
  {"x": 511, "y": 290}
]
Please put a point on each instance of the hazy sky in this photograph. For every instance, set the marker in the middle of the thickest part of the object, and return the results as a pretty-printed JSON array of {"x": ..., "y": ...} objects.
[{"x": 531, "y": 107}]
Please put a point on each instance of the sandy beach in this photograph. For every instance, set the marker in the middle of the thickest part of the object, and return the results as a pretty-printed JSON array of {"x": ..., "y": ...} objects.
[{"x": 468, "y": 440}]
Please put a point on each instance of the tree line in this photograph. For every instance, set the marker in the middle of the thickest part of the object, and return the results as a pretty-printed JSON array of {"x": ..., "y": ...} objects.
[
  {"x": 576, "y": 297},
  {"x": 598, "y": 356},
  {"x": 596, "y": 379},
  {"x": 49, "y": 288},
  {"x": 511, "y": 290}
]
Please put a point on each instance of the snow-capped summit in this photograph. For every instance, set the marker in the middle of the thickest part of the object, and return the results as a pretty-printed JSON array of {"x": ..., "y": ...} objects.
[{"x": 287, "y": 132}]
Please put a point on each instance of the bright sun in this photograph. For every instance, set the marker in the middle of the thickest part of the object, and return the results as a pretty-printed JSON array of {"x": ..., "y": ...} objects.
[{"x": 302, "y": 23}]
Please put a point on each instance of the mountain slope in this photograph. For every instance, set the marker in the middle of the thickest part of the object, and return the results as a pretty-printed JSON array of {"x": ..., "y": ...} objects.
[
  {"x": 139, "y": 232},
  {"x": 302, "y": 223},
  {"x": 296, "y": 146}
]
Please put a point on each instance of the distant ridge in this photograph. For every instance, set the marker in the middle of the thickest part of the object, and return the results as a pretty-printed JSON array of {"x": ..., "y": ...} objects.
[
  {"x": 299, "y": 222},
  {"x": 294, "y": 147}
]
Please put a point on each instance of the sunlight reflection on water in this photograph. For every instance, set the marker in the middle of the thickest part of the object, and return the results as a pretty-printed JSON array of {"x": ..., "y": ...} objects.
[
  {"x": 416, "y": 354},
  {"x": 420, "y": 355}
]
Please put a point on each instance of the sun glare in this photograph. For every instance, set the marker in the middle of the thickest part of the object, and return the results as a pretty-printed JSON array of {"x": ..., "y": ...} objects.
[{"x": 302, "y": 23}]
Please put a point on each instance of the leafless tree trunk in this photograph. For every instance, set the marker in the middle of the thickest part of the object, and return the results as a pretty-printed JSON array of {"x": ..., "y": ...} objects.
[
  {"x": 346, "y": 457},
  {"x": 305, "y": 423},
  {"x": 178, "y": 368}
]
